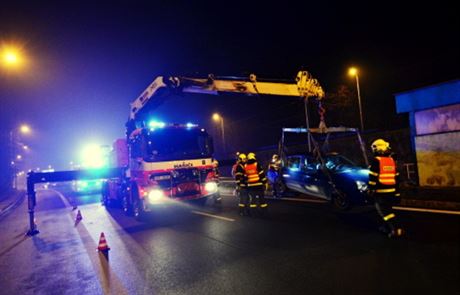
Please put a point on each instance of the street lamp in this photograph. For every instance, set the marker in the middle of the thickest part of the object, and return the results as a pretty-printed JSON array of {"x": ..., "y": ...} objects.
[
  {"x": 217, "y": 117},
  {"x": 11, "y": 57},
  {"x": 24, "y": 129},
  {"x": 14, "y": 133},
  {"x": 354, "y": 72}
]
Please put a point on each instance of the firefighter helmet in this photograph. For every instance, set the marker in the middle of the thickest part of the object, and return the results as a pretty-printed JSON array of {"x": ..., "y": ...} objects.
[
  {"x": 251, "y": 156},
  {"x": 380, "y": 146},
  {"x": 275, "y": 157},
  {"x": 241, "y": 157}
]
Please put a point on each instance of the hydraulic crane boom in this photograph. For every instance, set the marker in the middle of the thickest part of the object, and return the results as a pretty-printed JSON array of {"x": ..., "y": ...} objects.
[{"x": 304, "y": 86}]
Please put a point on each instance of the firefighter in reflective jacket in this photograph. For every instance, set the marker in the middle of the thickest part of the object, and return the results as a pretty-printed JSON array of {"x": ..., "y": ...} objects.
[
  {"x": 241, "y": 185},
  {"x": 256, "y": 182},
  {"x": 383, "y": 186}
]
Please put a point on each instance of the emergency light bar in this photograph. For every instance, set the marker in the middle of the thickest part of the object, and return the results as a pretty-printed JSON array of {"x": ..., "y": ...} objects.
[{"x": 154, "y": 125}]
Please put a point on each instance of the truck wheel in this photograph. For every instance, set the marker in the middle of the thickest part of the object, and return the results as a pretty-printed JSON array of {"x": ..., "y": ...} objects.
[
  {"x": 137, "y": 206},
  {"x": 340, "y": 200},
  {"x": 217, "y": 199},
  {"x": 105, "y": 198},
  {"x": 138, "y": 209},
  {"x": 126, "y": 204}
]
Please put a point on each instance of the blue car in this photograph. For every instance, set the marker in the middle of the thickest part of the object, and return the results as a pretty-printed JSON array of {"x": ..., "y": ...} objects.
[{"x": 332, "y": 177}]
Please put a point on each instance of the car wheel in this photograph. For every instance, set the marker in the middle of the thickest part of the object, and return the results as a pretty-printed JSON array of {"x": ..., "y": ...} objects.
[
  {"x": 340, "y": 200},
  {"x": 281, "y": 189}
]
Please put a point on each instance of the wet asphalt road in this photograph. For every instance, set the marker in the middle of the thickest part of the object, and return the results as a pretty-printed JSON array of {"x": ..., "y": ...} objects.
[{"x": 300, "y": 248}]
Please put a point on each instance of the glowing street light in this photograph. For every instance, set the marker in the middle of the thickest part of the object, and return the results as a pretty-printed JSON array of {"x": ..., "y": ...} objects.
[
  {"x": 218, "y": 118},
  {"x": 11, "y": 57},
  {"x": 354, "y": 72},
  {"x": 24, "y": 129}
]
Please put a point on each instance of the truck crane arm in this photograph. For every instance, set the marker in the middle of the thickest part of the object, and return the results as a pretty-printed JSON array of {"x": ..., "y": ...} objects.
[{"x": 304, "y": 86}]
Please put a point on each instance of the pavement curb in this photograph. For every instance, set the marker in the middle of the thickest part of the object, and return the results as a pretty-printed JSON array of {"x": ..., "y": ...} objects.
[{"x": 13, "y": 204}]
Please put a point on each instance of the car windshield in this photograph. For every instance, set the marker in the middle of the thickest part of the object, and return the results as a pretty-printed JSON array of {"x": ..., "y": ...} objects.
[
  {"x": 177, "y": 144},
  {"x": 334, "y": 162}
]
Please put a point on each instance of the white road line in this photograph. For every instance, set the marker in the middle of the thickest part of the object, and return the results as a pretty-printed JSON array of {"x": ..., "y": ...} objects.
[
  {"x": 214, "y": 216},
  {"x": 426, "y": 210},
  {"x": 63, "y": 198},
  {"x": 298, "y": 200}
]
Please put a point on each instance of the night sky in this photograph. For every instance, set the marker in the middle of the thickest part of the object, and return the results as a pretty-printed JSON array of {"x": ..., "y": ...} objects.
[{"x": 87, "y": 62}]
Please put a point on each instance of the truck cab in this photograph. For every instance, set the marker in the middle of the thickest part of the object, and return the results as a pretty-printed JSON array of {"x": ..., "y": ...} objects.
[{"x": 166, "y": 163}]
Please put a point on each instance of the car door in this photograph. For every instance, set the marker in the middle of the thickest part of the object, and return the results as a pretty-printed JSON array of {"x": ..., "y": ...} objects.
[
  {"x": 301, "y": 175},
  {"x": 313, "y": 182},
  {"x": 292, "y": 174}
]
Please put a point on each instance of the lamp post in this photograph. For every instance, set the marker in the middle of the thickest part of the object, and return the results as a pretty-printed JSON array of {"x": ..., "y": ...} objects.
[
  {"x": 354, "y": 72},
  {"x": 14, "y": 157},
  {"x": 218, "y": 118}
]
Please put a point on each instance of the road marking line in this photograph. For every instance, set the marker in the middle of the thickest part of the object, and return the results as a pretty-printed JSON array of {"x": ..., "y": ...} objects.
[
  {"x": 211, "y": 215},
  {"x": 427, "y": 210},
  {"x": 299, "y": 200}
]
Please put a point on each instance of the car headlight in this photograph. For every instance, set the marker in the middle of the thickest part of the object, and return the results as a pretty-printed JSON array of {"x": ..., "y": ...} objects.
[
  {"x": 361, "y": 185},
  {"x": 211, "y": 187},
  {"x": 155, "y": 196}
]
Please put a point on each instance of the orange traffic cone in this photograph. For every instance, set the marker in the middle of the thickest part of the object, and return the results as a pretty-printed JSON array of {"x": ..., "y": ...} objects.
[
  {"x": 79, "y": 217},
  {"x": 103, "y": 244}
]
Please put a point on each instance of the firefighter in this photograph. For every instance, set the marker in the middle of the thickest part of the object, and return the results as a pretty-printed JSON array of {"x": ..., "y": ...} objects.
[
  {"x": 256, "y": 182},
  {"x": 236, "y": 163},
  {"x": 273, "y": 174},
  {"x": 383, "y": 186},
  {"x": 241, "y": 185},
  {"x": 215, "y": 165}
]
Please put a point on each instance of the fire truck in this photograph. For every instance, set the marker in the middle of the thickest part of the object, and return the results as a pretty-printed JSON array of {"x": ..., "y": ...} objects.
[{"x": 166, "y": 163}]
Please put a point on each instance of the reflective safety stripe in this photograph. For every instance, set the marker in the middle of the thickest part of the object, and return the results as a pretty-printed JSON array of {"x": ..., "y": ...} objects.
[
  {"x": 397, "y": 195},
  {"x": 263, "y": 205},
  {"x": 241, "y": 205},
  {"x": 255, "y": 184},
  {"x": 389, "y": 216},
  {"x": 387, "y": 190},
  {"x": 253, "y": 205},
  {"x": 387, "y": 181},
  {"x": 373, "y": 173},
  {"x": 387, "y": 174},
  {"x": 372, "y": 182}
]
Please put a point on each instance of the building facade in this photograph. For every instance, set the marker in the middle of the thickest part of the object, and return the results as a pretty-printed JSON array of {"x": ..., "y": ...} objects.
[{"x": 434, "y": 115}]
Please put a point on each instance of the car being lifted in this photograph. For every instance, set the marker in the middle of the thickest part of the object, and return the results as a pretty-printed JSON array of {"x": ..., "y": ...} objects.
[{"x": 319, "y": 173}]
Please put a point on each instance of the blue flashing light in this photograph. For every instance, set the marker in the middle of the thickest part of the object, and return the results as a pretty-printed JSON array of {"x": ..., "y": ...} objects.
[
  {"x": 191, "y": 125},
  {"x": 155, "y": 124}
]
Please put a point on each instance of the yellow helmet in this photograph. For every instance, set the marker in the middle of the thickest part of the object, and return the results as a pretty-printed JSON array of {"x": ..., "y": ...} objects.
[
  {"x": 251, "y": 156},
  {"x": 242, "y": 157},
  {"x": 380, "y": 146}
]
